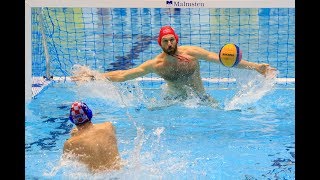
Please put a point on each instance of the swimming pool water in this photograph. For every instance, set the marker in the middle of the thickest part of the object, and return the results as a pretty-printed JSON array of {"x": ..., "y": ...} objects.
[
  {"x": 255, "y": 140},
  {"x": 251, "y": 135}
]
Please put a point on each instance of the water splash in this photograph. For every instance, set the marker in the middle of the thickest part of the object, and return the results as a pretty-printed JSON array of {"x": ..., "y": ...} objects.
[
  {"x": 155, "y": 163},
  {"x": 67, "y": 166},
  {"x": 139, "y": 162},
  {"x": 122, "y": 95},
  {"x": 158, "y": 131},
  {"x": 188, "y": 98},
  {"x": 250, "y": 88},
  {"x": 152, "y": 162}
]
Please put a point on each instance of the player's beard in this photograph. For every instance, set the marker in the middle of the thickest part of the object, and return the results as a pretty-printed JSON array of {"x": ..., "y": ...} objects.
[{"x": 170, "y": 51}]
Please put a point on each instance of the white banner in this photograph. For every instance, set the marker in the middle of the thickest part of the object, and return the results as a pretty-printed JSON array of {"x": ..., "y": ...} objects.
[{"x": 164, "y": 3}]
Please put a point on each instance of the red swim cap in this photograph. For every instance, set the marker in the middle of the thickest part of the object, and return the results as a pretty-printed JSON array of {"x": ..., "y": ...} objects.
[{"x": 164, "y": 31}]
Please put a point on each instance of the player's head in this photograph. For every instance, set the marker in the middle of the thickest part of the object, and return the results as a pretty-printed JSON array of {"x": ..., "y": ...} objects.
[
  {"x": 168, "y": 40},
  {"x": 80, "y": 113}
]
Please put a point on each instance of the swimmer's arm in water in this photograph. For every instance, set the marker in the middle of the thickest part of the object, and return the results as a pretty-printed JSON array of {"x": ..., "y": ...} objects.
[
  {"x": 124, "y": 75},
  {"x": 261, "y": 68}
]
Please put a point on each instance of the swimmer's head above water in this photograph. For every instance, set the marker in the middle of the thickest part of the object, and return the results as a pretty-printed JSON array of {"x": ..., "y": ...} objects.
[
  {"x": 165, "y": 30},
  {"x": 80, "y": 113},
  {"x": 170, "y": 46}
]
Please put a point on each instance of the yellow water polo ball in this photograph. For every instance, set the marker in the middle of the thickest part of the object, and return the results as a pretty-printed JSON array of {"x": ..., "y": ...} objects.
[{"x": 230, "y": 55}]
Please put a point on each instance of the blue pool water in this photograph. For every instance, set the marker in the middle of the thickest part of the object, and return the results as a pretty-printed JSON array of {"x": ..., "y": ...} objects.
[{"x": 251, "y": 135}]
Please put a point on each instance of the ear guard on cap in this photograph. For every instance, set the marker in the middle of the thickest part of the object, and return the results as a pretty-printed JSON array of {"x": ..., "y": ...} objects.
[{"x": 87, "y": 110}]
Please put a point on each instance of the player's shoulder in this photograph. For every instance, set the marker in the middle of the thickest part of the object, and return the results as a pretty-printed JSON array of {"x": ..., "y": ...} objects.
[
  {"x": 149, "y": 63},
  {"x": 189, "y": 49},
  {"x": 68, "y": 143},
  {"x": 106, "y": 125},
  {"x": 156, "y": 60},
  {"x": 186, "y": 47}
]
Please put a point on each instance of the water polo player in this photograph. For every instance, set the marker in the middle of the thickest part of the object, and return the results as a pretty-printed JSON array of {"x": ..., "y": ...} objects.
[
  {"x": 95, "y": 145},
  {"x": 177, "y": 65}
]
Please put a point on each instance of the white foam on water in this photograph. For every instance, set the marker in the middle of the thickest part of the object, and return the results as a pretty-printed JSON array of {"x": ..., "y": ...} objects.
[
  {"x": 251, "y": 87},
  {"x": 154, "y": 163},
  {"x": 92, "y": 84}
]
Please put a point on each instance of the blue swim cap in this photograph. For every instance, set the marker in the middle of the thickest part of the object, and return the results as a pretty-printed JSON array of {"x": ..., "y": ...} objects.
[{"x": 80, "y": 113}]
